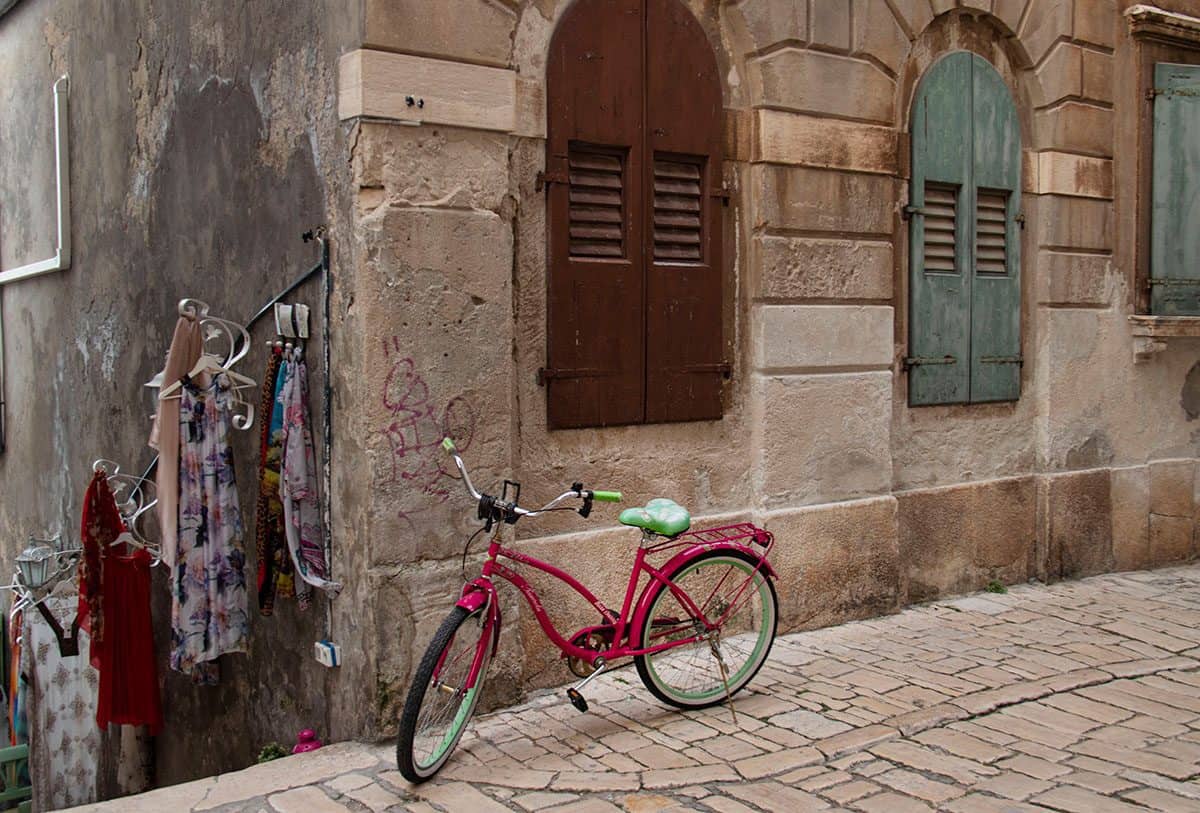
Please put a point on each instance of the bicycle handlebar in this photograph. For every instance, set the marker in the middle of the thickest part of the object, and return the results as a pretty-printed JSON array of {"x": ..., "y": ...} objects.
[{"x": 510, "y": 512}]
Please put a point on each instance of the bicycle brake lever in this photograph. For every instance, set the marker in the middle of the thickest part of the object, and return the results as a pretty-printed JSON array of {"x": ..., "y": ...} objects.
[{"x": 586, "y": 508}]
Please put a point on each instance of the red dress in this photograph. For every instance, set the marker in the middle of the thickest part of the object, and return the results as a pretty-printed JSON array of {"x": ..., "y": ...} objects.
[
  {"x": 128, "y": 672},
  {"x": 114, "y": 601}
]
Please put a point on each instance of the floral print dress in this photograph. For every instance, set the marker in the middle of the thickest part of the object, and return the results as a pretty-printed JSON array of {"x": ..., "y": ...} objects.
[{"x": 208, "y": 608}]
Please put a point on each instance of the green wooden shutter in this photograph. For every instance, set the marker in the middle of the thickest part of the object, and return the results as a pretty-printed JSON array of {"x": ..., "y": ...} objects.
[
  {"x": 996, "y": 270},
  {"x": 940, "y": 285},
  {"x": 965, "y": 286},
  {"x": 1175, "y": 240}
]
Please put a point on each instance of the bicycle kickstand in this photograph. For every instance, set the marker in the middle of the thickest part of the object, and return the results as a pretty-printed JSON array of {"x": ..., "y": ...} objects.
[{"x": 573, "y": 693}]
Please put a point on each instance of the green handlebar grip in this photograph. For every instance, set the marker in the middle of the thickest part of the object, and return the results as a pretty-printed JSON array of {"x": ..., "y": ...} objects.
[
  {"x": 607, "y": 496},
  {"x": 448, "y": 445}
]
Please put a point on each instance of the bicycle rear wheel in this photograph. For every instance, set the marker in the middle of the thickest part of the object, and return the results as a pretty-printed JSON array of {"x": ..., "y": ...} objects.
[
  {"x": 439, "y": 703},
  {"x": 720, "y": 583}
]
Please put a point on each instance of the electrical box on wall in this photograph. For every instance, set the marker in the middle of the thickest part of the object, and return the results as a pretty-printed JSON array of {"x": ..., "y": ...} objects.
[{"x": 328, "y": 653}]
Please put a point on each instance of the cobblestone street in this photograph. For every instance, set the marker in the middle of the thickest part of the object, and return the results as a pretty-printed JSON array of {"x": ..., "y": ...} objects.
[{"x": 1082, "y": 696}]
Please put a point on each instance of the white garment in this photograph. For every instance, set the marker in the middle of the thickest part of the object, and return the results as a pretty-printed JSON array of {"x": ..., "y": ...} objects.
[{"x": 64, "y": 740}]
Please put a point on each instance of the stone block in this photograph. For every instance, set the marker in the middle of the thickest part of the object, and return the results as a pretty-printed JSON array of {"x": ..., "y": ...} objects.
[
  {"x": 878, "y": 34},
  {"x": 422, "y": 166},
  {"x": 1131, "y": 518},
  {"x": 1171, "y": 539},
  {"x": 1074, "y": 223},
  {"x": 1097, "y": 76},
  {"x": 1009, "y": 13},
  {"x": 829, "y": 24},
  {"x": 825, "y": 437},
  {"x": 1095, "y": 22},
  {"x": 1064, "y": 173},
  {"x": 956, "y": 539},
  {"x": 1172, "y": 485},
  {"x": 791, "y": 138},
  {"x": 378, "y": 84},
  {"x": 822, "y": 200},
  {"x": 835, "y": 562},
  {"x": 469, "y": 30},
  {"x": 804, "y": 267},
  {"x": 1075, "y": 127},
  {"x": 1078, "y": 518},
  {"x": 432, "y": 280},
  {"x": 1045, "y": 22},
  {"x": 770, "y": 21},
  {"x": 812, "y": 336},
  {"x": 817, "y": 82},
  {"x": 915, "y": 15},
  {"x": 1061, "y": 74},
  {"x": 1072, "y": 279}
]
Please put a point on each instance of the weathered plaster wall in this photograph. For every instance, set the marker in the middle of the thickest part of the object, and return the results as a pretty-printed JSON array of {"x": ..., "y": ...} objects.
[{"x": 203, "y": 143}]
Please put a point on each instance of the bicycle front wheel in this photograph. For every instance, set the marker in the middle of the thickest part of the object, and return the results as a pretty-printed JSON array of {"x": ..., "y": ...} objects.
[
  {"x": 721, "y": 584},
  {"x": 439, "y": 703}
]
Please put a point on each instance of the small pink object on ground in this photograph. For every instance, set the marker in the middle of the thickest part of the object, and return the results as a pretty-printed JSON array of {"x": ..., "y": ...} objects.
[{"x": 306, "y": 740}]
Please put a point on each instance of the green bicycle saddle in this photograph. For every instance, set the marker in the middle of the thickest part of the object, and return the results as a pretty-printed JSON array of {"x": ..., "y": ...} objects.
[{"x": 661, "y": 516}]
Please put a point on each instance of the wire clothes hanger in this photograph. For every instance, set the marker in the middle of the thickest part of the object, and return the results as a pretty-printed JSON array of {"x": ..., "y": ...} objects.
[
  {"x": 228, "y": 336},
  {"x": 135, "y": 497}
]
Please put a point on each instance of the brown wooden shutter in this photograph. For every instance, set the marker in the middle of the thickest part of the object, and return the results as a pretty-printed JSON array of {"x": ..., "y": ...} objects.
[
  {"x": 595, "y": 354},
  {"x": 683, "y": 176}
]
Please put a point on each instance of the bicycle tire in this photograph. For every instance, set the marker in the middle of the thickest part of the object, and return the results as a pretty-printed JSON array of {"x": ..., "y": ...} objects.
[
  {"x": 658, "y": 670},
  {"x": 414, "y": 741}
]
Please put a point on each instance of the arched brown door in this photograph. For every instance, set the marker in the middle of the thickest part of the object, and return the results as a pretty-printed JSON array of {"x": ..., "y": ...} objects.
[{"x": 634, "y": 171}]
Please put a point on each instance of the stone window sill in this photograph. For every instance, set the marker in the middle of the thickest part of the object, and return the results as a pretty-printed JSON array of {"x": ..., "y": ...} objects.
[{"x": 1150, "y": 333}]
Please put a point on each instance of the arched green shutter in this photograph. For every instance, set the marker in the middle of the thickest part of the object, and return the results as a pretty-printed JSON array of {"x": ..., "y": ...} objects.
[{"x": 964, "y": 317}]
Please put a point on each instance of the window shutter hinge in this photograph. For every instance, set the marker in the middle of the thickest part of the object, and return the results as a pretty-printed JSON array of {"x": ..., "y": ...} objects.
[
  {"x": 1020, "y": 218},
  {"x": 1018, "y": 360},
  {"x": 723, "y": 194},
  {"x": 545, "y": 179},
  {"x": 917, "y": 361},
  {"x": 909, "y": 210},
  {"x": 545, "y": 374},
  {"x": 723, "y": 368}
]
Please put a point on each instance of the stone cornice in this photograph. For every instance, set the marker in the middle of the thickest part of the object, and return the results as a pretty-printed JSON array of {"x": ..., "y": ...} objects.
[{"x": 1153, "y": 23}]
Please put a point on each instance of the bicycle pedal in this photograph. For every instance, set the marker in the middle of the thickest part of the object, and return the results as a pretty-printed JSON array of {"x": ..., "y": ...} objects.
[{"x": 577, "y": 699}]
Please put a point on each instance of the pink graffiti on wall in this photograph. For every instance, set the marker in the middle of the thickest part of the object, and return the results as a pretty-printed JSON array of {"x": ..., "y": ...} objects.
[{"x": 416, "y": 429}]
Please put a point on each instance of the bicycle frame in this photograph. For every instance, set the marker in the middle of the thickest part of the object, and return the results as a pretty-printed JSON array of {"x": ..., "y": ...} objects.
[{"x": 481, "y": 592}]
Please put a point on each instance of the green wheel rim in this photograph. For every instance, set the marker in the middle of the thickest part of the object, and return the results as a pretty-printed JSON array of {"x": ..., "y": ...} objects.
[
  {"x": 455, "y": 730},
  {"x": 751, "y": 662}
]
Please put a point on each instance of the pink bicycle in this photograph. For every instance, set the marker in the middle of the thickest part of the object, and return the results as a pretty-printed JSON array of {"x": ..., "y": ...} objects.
[{"x": 698, "y": 632}]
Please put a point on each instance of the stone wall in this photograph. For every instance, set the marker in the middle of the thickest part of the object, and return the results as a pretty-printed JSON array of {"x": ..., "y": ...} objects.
[{"x": 875, "y": 504}]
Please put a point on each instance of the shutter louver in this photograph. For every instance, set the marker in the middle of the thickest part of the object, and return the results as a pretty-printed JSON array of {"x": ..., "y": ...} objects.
[
  {"x": 991, "y": 232},
  {"x": 677, "y": 211},
  {"x": 597, "y": 191},
  {"x": 941, "y": 216}
]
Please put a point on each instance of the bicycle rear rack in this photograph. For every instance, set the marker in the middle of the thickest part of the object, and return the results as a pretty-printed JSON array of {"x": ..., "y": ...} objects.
[{"x": 744, "y": 532}]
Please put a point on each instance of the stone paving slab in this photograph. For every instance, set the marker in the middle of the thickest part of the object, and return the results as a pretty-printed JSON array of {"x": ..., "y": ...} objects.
[{"x": 1079, "y": 696}]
